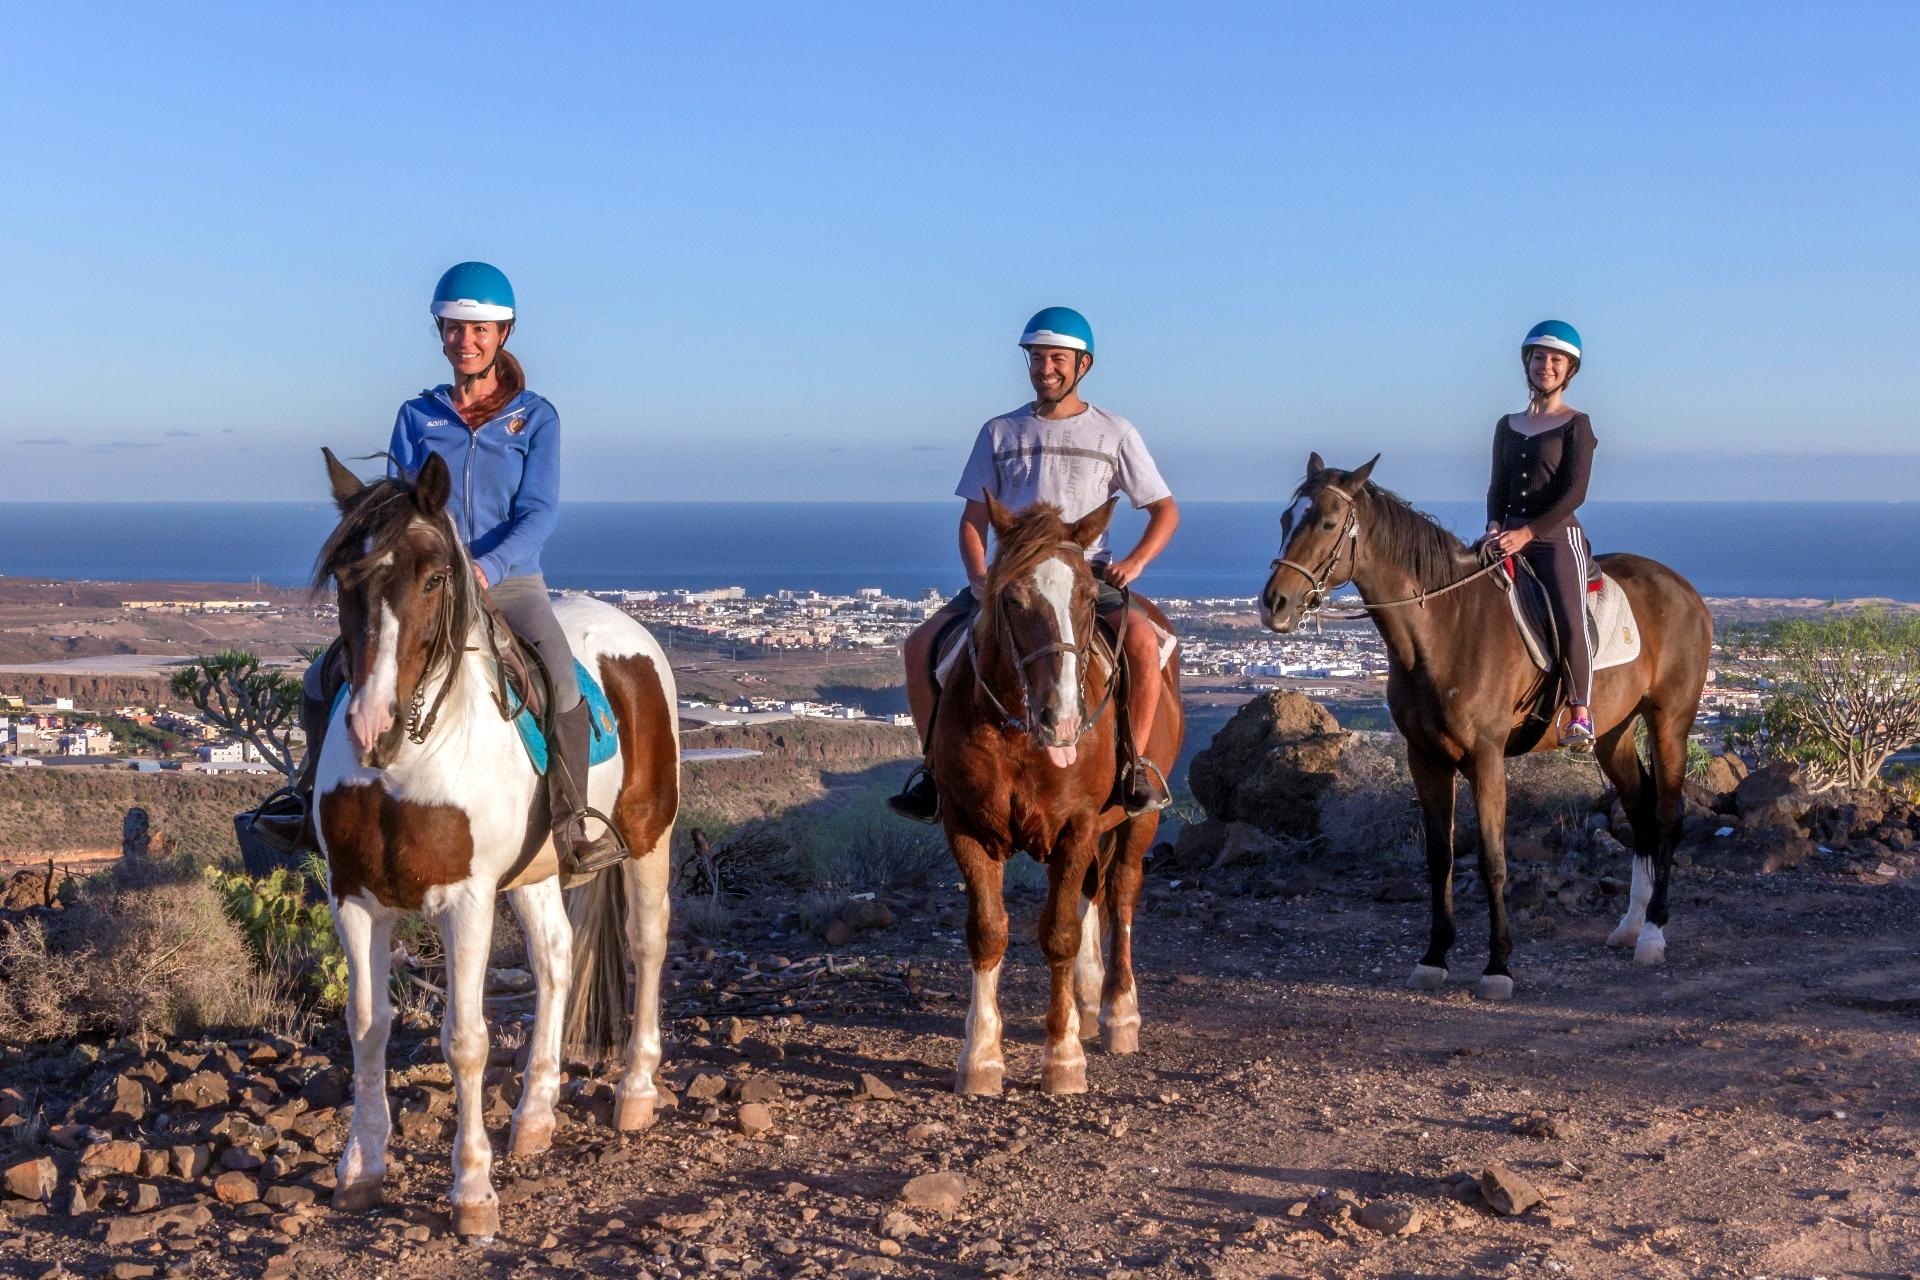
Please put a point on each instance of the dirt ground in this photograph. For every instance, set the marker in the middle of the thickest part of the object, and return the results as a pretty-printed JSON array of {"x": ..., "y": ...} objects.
[{"x": 1748, "y": 1109}]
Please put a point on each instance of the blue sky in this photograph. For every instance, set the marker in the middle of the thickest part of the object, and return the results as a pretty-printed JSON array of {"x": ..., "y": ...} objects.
[{"x": 783, "y": 251}]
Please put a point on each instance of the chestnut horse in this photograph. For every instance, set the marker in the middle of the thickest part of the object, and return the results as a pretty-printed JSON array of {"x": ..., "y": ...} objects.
[
  {"x": 427, "y": 802},
  {"x": 1024, "y": 747},
  {"x": 1461, "y": 687}
]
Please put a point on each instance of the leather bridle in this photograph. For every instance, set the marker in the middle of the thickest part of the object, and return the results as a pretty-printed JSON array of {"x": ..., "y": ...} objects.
[{"x": 1021, "y": 661}]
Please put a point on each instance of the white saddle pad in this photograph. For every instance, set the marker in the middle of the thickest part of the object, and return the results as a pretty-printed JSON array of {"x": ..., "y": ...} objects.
[{"x": 1612, "y": 633}]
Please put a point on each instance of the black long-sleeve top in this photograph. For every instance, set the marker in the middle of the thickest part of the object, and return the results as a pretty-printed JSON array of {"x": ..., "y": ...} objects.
[{"x": 1540, "y": 481}]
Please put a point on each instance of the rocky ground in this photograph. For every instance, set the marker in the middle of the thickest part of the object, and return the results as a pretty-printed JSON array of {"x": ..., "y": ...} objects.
[{"x": 1747, "y": 1109}]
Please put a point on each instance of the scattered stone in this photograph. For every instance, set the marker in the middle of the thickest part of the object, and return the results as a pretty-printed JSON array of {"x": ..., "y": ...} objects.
[
  {"x": 130, "y": 1271},
  {"x": 873, "y": 1089},
  {"x": 154, "y": 1164},
  {"x": 707, "y": 1086},
  {"x": 736, "y": 1032},
  {"x": 202, "y": 1091},
  {"x": 189, "y": 1162},
  {"x": 1506, "y": 1191},
  {"x": 128, "y": 1102},
  {"x": 896, "y": 1225},
  {"x": 864, "y": 914},
  {"x": 235, "y": 1187},
  {"x": 72, "y": 1202},
  {"x": 144, "y": 1198},
  {"x": 31, "y": 1179},
  {"x": 760, "y": 1089},
  {"x": 123, "y": 1231},
  {"x": 288, "y": 1196},
  {"x": 1528, "y": 849},
  {"x": 1391, "y": 1218},
  {"x": 940, "y": 1192},
  {"x": 419, "y": 1127},
  {"x": 926, "y": 1135},
  {"x": 754, "y": 1119},
  {"x": 244, "y": 1159},
  {"x": 837, "y": 934},
  {"x": 1539, "y": 1124}
]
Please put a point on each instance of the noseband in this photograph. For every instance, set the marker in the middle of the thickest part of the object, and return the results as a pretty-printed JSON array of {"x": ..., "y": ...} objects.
[
  {"x": 1024, "y": 723},
  {"x": 1318, "y": 579}
]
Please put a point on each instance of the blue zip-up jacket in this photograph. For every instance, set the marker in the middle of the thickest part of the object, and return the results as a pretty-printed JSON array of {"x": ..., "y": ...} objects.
[{"x": 506, "y": 474}]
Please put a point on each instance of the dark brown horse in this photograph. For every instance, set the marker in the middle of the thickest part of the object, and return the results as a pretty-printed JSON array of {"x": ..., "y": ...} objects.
[
  {"x": 1460, "y": 686},
  {"x": 1024, "y": 750}
]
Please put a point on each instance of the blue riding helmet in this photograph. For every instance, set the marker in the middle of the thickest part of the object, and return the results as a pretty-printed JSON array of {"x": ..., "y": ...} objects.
[
  {"x": 473, "y": 291},
  {"x": 1059, "y": 327},
  {"x": 1555, "y": 335}
]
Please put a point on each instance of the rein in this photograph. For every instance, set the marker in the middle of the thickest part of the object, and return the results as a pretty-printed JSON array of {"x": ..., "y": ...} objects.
[
  {"x": 444, "y": 647},
  {"x": 1023, "y": 723},
  {"x": 1318, "y": 581}
]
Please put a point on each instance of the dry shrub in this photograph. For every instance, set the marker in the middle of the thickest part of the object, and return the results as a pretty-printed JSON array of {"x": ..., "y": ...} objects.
[
  {"x": 1370, "y": 810},
  {"x": 140, "y": 949}
]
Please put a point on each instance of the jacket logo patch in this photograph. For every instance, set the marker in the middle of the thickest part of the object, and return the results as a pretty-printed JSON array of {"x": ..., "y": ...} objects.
[
  {"x": 437, "y": 422},
  {"x": 516, "y": 425}
]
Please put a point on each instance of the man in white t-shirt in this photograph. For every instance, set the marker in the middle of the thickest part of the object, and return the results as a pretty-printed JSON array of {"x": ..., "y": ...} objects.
[{"x": 1062, "y": 450}]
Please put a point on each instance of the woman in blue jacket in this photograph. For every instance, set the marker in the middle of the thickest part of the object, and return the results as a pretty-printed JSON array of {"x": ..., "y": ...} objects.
[{"x": 502, "y": 444}]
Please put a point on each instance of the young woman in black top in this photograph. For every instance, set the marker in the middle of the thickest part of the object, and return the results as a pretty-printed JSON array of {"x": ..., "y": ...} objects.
[{"x": 1541, "y": 461}]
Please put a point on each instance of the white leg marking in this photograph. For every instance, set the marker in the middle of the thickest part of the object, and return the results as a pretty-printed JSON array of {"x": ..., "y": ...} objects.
[
  {"x": 464, "y": 917},
  {"x": 981, "y": 1067},
  {"x": 1651, "y": 949},
  {"x": 1627, "y": 932},
  {"x": 1120, "y": 1017},
  {"x": 1089, "y": 974},
  {"x": 1427, "y": 977},
  {"x": 366, "y": 933},
  {"x": 648, "y": 909},
  {"x": 549, "y": 934}
]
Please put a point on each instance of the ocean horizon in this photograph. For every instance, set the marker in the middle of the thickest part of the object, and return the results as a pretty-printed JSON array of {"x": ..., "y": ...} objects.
[{"x": 1841, "y": 550}]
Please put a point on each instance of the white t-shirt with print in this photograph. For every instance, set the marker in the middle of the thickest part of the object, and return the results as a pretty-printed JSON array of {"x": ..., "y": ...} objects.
[{"x": 1075, "y": 463}]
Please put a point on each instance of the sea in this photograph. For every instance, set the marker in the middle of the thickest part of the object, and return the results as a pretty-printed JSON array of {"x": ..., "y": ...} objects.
[{"x": 1842, "y": 550}]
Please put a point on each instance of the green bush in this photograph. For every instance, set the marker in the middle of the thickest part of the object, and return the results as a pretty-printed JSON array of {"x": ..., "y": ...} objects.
[{"x": 288, "y": 933}]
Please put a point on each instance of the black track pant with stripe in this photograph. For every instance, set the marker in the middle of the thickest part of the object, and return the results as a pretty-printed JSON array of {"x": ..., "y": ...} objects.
[{"x": 1561, "y": 562}]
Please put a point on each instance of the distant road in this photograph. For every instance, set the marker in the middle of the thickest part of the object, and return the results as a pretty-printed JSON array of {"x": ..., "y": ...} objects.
[{"x": 101, "y": 664}]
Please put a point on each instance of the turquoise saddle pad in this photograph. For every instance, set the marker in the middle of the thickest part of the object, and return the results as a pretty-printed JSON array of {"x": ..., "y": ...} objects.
[{"x": 601, "y": 743}]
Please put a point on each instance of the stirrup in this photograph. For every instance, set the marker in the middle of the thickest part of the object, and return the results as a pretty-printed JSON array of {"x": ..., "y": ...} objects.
[
  {"x": 1577, "y": 736},
  {"x": 1158, "y": 797},
  {"x": 919, "y": 798},
  {"x": 584, "y": 858}
]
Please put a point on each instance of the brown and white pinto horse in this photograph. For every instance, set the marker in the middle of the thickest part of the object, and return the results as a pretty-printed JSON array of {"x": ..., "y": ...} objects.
[
  {"x": 1460, "y": 687},
  {"x": 1024, "y": 749},
  {"x": 426, "y": 802}
]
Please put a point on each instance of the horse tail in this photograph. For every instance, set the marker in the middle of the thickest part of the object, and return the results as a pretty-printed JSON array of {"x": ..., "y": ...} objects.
[{"x": 597, "y": 1007}]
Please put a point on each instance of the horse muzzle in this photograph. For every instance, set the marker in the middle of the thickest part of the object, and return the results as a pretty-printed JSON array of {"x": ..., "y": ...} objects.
[{"x": 370, "y": 723}]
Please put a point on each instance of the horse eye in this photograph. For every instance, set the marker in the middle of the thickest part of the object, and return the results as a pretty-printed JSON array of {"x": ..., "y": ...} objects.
[
  {"x": 436, "y": 581},
  {"x": 1326, "y": 524}
]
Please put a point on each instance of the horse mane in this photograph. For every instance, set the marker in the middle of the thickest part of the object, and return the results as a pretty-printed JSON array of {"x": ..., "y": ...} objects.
[
  {"x": 1036, "y": 537},
  {"x": 1405, "y": 535}
]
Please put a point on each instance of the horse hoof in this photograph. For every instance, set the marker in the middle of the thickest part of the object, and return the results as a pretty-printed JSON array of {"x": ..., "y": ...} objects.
[
  {"x": 1426, "y": 977},
  {"x": 1067, "y": 1077},
  {"x": 357, "y": 1197},
  {"x": 980, "y": 1081},
  {"x": 477, "y": 1221},
  {"x": 633, "y": 1114},
  {"x": 530, "y": 1139},
  {"x": 1624, "y": 935},
  {"x": 1651, "y": 948},
  {"x": 1494, "y": 986},
  {"x": 1121, "y": 1039}
]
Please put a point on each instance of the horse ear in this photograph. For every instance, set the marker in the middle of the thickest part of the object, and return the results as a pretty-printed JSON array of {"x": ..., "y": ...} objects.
[
  {"x": 432, "y": 485},
  {"x": 1359, "y": 478},
  {"x": 1314, "y": 466},
  {"x": 1003, "y": 520},
  {"x": 1088, "y": 528},
  {"x": 346, "y": 485}
]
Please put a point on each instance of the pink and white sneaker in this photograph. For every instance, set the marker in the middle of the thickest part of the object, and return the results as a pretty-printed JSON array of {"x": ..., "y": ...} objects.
[{"x": 1578, "y": 733}]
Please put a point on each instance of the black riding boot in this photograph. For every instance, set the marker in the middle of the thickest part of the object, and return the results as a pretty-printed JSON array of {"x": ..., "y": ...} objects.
[
  {"x": 581, "y": 858},
  {"x": 1146, "y": 791},
  {"x": 919, "y": 799}
]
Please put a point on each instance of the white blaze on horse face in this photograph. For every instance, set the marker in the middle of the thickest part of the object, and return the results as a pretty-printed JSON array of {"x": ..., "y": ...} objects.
[
  {"x": 371, "y": 713},
  {"x": 1295, "y": 514},
  {"x": 1053, "y": 579}
]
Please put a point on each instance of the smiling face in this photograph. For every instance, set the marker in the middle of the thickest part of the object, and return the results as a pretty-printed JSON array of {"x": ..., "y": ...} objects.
[
  {"x": 471, "y": 345},
  {"x": 1055, "y": 371},
  {"x": 1548, "y": 371}
]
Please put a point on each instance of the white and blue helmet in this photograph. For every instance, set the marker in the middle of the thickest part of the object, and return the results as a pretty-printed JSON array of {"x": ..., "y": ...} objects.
[
  {"x": 473, "y": 291},
  {"x": 1554, "y": 335},
  {"x": 1058, "y": 327}
]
